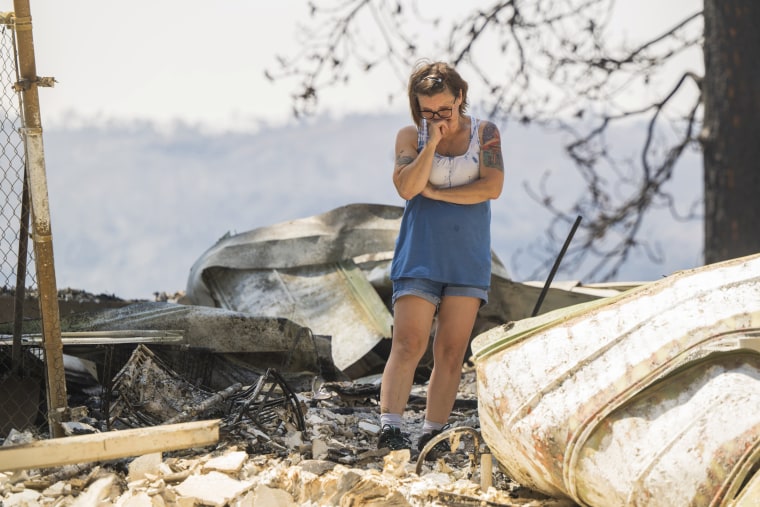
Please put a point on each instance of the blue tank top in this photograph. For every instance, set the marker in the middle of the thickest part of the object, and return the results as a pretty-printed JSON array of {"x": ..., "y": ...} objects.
[{"x": 445, "y": 242}]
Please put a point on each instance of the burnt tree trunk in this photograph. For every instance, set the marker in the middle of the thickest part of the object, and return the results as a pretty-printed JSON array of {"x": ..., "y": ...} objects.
[{"x": 731, "y": 135}]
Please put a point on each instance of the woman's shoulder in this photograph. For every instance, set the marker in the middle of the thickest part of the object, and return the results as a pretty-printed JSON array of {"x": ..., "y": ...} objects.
[
  {"x": 408, "y": 129},
  {"x": 407, "y": 132},
  {"x": 487, "y": 131},
  {"x": 483, "y": 124}
]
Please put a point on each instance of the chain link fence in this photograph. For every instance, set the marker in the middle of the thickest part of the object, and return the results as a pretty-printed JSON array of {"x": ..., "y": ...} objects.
[{"x": 21, "y": 369}]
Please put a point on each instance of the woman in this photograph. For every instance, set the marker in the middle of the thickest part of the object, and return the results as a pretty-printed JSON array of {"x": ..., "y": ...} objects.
[{"x": 448, "y": 167}]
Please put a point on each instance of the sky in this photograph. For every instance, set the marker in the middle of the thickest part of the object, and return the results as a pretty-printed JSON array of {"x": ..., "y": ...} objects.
[
  {"x": 162, "y": 135},
  {"x": 168, "y": 59}
]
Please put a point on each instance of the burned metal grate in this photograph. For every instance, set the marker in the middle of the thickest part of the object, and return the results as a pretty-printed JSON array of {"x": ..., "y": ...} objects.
[{"x": 146, "y": 392}]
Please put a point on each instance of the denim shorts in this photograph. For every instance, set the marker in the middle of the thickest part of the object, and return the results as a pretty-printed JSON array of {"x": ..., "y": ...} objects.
[{"x": 434, "y": 291}]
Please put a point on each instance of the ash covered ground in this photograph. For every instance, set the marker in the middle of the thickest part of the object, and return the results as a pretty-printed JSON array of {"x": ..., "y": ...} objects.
[{"x": 332, "y": 459}]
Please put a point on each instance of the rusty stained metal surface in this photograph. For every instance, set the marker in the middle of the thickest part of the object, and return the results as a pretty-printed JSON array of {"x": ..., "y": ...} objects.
[
  {"x": 331, "y": 299},
  {"x": 699, "y": 421},
  {"x": 546, "y": 385}
]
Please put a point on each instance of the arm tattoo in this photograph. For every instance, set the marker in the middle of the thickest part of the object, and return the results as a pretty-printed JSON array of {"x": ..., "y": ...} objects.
[
  {"x": 404, "y": 160},
  {"x": 491, "y": 148}
]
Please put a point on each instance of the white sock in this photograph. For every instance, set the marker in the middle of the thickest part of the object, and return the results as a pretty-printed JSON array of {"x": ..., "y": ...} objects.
[
  {"x": 430, "y": 426},
  {"x": 390, "y": 420}
]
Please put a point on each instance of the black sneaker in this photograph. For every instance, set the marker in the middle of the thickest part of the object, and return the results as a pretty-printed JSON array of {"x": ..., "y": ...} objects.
[
  {"x": 441, "y": 447},
  {"x": 392, "y": 438}
]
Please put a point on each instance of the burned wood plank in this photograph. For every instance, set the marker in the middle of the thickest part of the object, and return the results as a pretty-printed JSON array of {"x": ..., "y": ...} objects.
[{"x": 109, "y": 445}]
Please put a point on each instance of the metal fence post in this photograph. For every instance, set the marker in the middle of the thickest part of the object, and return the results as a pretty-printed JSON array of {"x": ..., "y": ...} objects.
[{"x": 41, "y": 227}]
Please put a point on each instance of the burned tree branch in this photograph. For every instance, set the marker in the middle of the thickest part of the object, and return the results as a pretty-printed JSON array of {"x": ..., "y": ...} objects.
[
  {"x": 623, "y": 220},
  {"x": 558, "y": 69}
]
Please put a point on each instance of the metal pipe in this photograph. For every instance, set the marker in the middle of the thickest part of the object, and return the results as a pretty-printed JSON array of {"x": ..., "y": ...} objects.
[
  {"x": 555, "y": 267},
  {"x": 20, "y": 296},
  {"x": 42, "y": 230}
]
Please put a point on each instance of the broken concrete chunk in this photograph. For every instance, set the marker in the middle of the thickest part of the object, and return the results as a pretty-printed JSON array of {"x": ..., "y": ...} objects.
[
  {"x": 395, "y": 463},
  {"x": 213, "y": 488},
  {"x": 54, "y": 490},
  {"x": 156, "y": 487},
  {"x": 304, "y": 486},
  {"x": 16, "y": 437},
  {"x": 230, "y": 463},
  {"x": 314, "y": 419},
  {"x": 369, "y": 427},
  {"x": 293, "y": 440},
  {"x": 135, "y": 499},
  {"x": 246, "y": 501},
  {"x": 338, "y": 483},
  {"x": 316, "y": 466},
  {"x": 318, "y": 449},
  {"x": 186, "y": 502},
  {"x": 373, "y": 490},
  {"x": 264, "y": 496},
  {"x": 96, "y": 492},
  {"x": 142, "y": 465},
  {"x": 25, "y": 498}
]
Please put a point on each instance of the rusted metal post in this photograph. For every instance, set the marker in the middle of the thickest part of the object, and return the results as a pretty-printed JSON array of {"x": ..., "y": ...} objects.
[
  {"x": 41, "y": 228},
  {"x": 23, "y": 254}
]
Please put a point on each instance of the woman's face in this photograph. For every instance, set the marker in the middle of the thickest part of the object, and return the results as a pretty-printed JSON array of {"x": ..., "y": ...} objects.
[{"x": 439, "y": 107}]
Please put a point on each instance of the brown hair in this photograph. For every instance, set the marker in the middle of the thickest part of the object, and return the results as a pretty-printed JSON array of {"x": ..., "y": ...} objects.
[{"x": 431, "y": 78}]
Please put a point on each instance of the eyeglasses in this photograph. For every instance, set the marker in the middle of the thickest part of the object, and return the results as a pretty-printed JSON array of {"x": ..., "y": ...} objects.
[{"x": 443, "y": 114}]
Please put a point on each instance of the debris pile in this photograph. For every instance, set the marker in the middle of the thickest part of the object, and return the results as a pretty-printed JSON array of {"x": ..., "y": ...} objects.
[
  {"x": 331, "y": 460},
  {"x": 149, "y": 393}
]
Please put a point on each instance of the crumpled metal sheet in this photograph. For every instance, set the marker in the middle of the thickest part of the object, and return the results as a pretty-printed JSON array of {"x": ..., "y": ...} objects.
[
  {"x": 330, "y": 299},
  {"x": 304, "y": 270},
  {"x": 556, "y": 391},
  {"x": 344, "y": 233}
]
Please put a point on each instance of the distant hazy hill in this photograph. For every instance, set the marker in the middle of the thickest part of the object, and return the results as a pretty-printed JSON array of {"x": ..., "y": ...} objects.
[{"x": 133, "y": 206}]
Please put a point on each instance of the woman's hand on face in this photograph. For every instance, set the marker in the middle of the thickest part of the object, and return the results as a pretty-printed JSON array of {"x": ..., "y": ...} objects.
[{"x": 436, "y": 131}]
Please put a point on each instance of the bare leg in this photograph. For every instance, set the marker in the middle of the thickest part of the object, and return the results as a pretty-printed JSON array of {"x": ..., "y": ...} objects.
[
  {"x": 456, "y": 318},
  {"x": 412, "y": 321}
]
